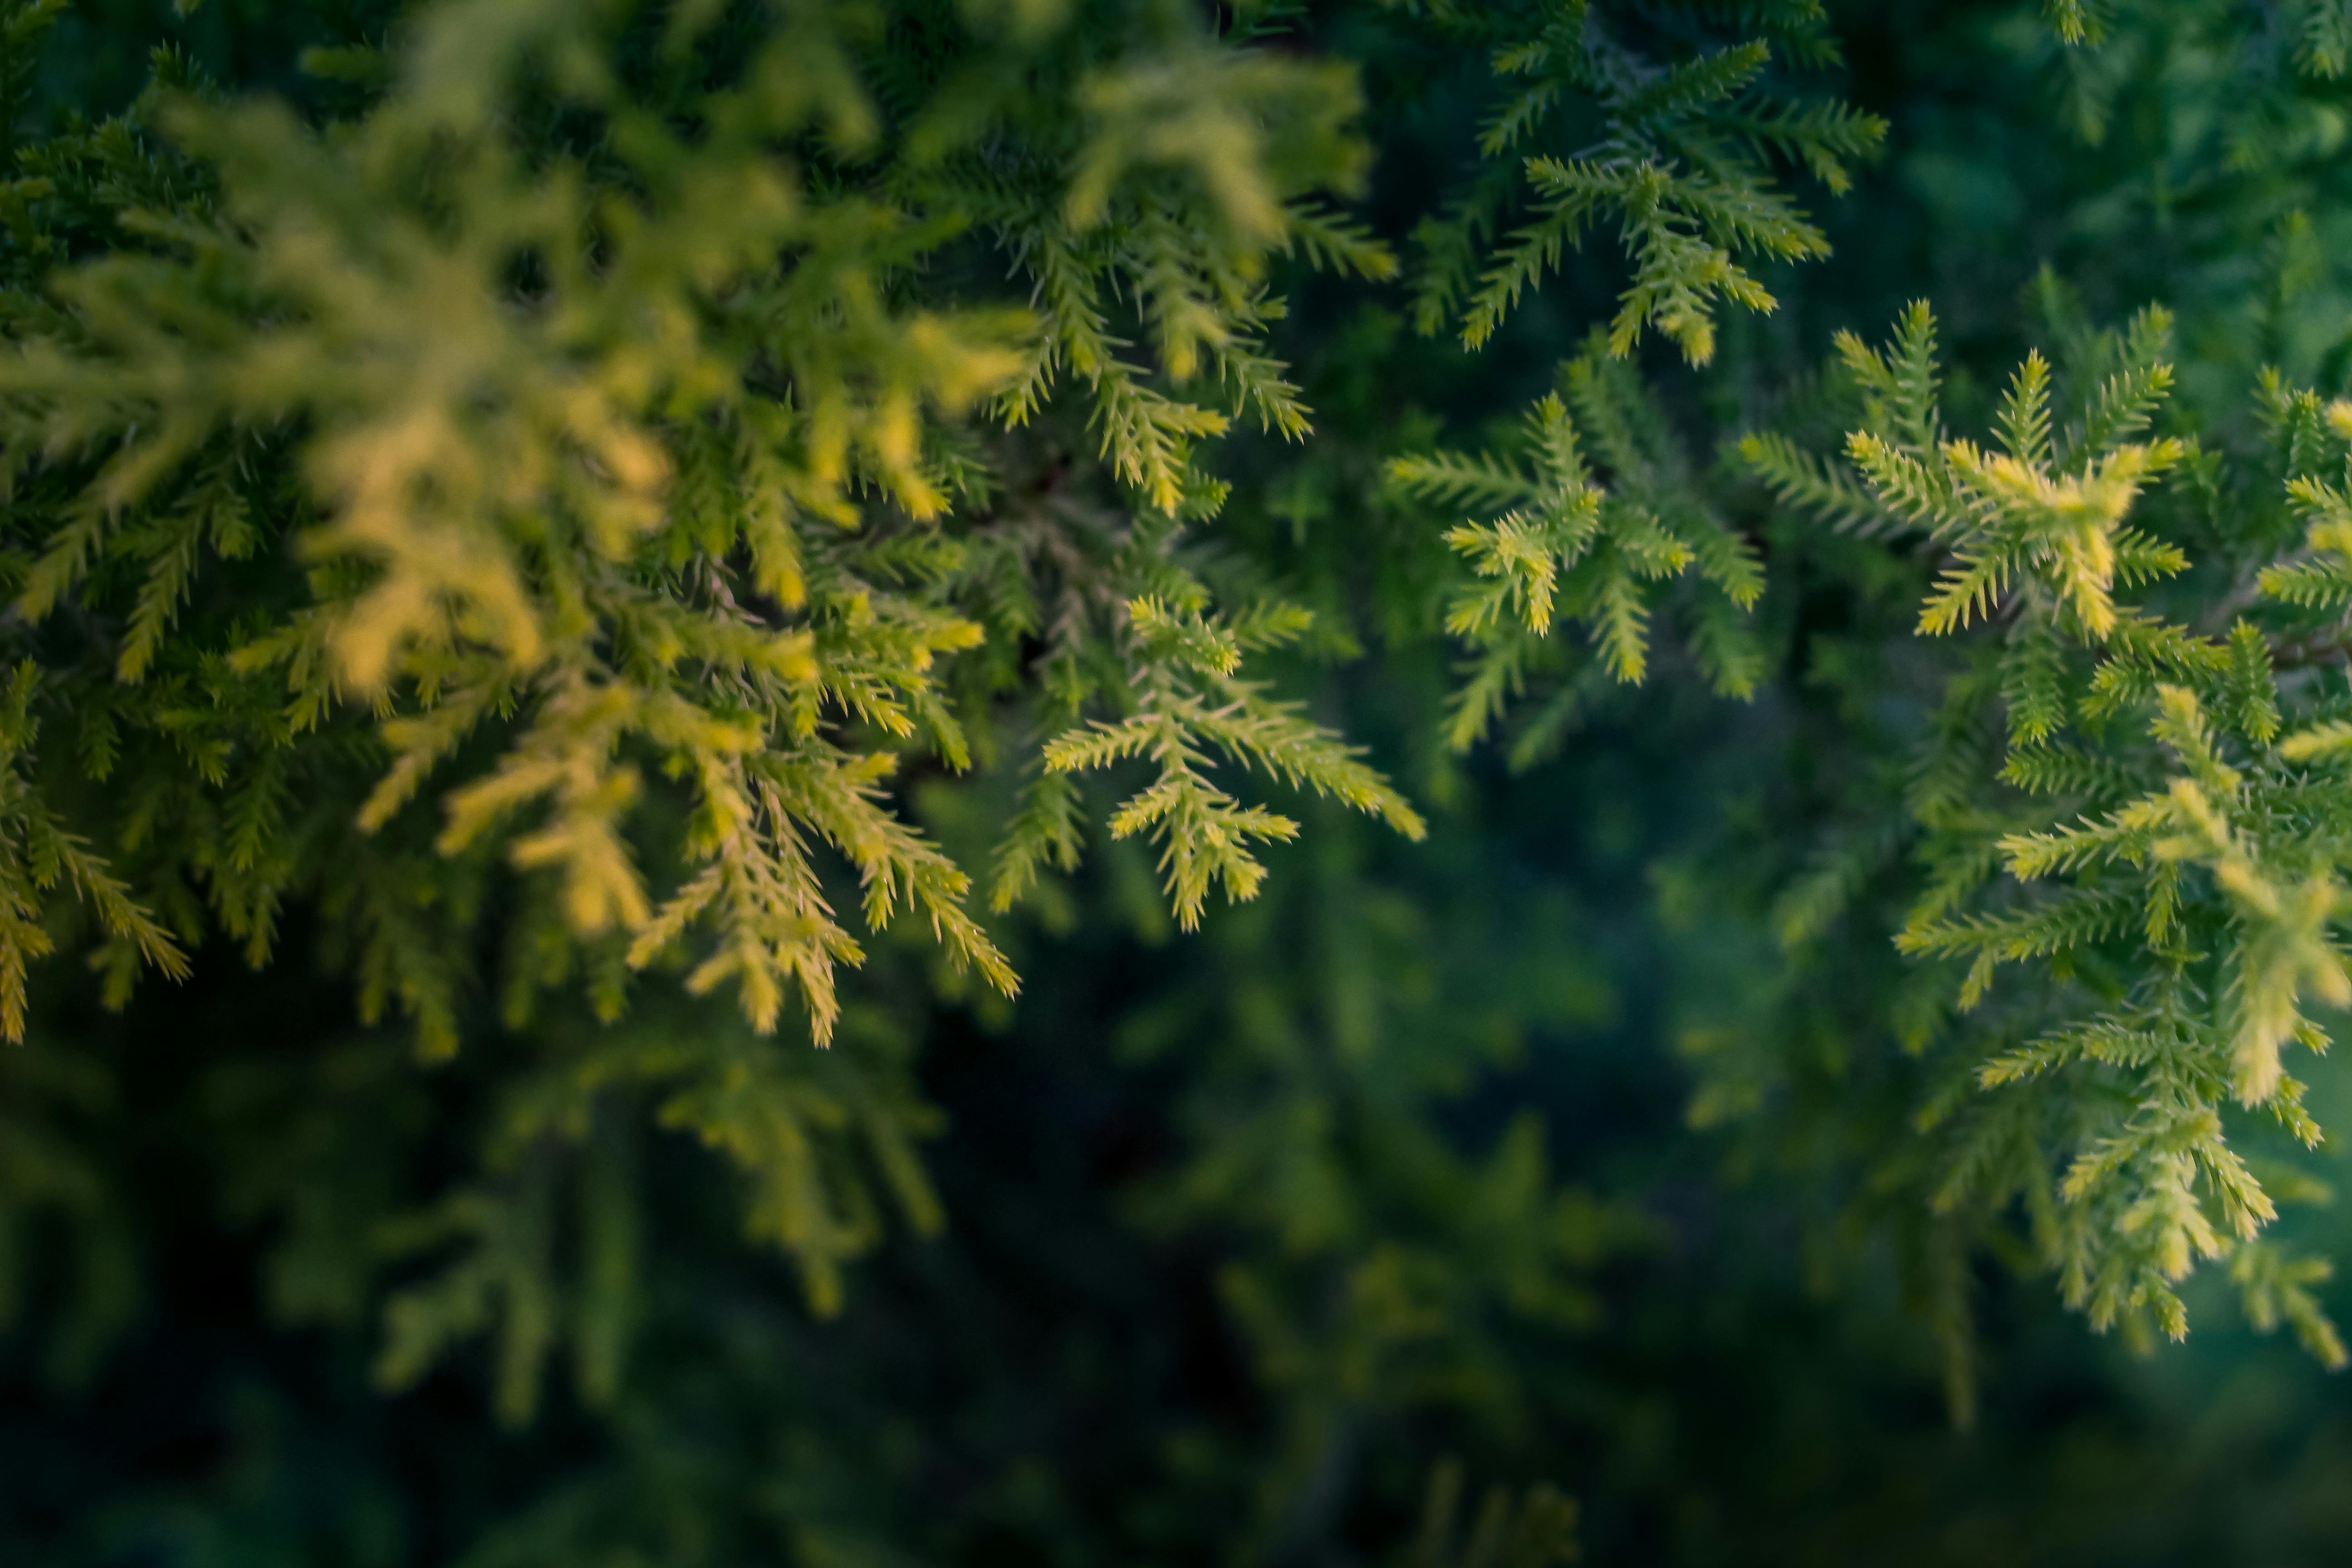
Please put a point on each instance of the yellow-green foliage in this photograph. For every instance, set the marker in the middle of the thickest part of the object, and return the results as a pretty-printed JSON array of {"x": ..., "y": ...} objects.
[
  {"x": 658, "y": 461},
  {"x": 1595, "y": 550},
  {"x": 514, "y": 534},
  {"x": 526, "y": 526},
  {"x": 532, "y": 526},
  {"x": 2172, "y": 902}
]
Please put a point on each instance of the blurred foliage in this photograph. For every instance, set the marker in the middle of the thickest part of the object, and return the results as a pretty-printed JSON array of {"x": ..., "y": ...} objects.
[{"x": 1545, "y": 861}]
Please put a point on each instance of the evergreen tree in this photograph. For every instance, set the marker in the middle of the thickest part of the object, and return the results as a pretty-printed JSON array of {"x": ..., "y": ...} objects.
[{"x": 1372, "y": 615}]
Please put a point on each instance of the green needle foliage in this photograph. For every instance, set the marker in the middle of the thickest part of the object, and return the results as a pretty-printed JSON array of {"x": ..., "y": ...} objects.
[
  {"x": 640, "y": 453},
  {"x": 898, "y": 611},
  {"x": 1675, "y": 147},
  {"x": 545, "y": 503},
  {"x": 2184, "y": 934},
  {"x": 1586, "y": 550}
]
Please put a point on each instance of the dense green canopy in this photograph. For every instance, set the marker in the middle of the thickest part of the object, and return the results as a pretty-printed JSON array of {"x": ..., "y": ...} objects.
[{"x": 1113, "y": 782}]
